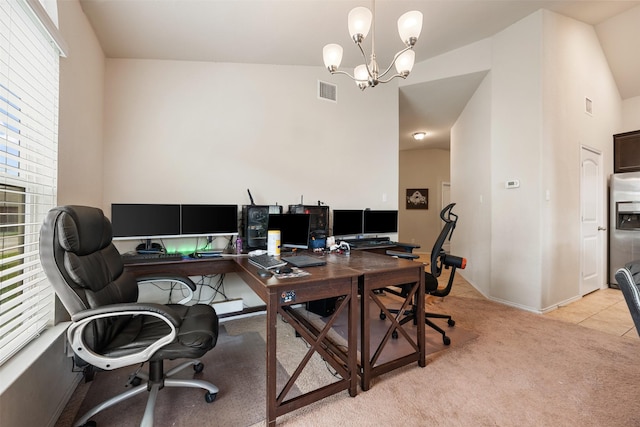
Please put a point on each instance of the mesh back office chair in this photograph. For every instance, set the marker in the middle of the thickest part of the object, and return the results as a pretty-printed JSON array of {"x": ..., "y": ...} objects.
[
  {"x": 109, "y": 329},
  {"x": 628, "y": 278},
  {"x": 439, "y": 260}
]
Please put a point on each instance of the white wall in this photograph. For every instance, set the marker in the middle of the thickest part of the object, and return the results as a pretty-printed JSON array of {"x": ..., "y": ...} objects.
[
  {"x": 471, "y": 152},
  {"x": 630, "y": 115},
  {"x": 527, "y": 122},
  {"x": 575, "y": 67},
  {"x": 197, "y": 132}
]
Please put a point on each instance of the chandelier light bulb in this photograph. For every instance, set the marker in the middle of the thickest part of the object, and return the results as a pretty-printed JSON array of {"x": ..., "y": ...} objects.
[
  {"x": 332, "y": 55},
  {"x": 361, "y": 74},
  {"x": 404, "y": 63},
  {"x": 410, "y": 27},
  {"x": 359, "y": 22}
]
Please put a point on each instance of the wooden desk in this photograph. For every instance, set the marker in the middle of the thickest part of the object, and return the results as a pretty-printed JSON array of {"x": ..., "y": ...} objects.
[
  {"x": 344, "y": 276},
  {"x": 376, "y": 272}
]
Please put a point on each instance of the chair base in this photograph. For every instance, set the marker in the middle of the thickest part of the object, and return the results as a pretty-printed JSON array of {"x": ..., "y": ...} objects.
[
  {"x": 410, "y": 315},
  {"x": 156, "y": 380}
]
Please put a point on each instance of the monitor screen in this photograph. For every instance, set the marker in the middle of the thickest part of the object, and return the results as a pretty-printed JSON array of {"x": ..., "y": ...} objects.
[
  {"x": 294, "y": 229},
  {"x": 380, "y": 221},
  {"x": 209, "y": 220},
  {"x": 347, "y": 222},
  {"x": 145, "y": 220}
]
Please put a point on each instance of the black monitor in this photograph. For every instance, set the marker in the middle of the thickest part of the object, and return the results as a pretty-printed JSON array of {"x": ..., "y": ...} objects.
[
  {"x": 209, "y": 220},
  {"x": 384, "y": 221},
  {"x": 347, "y": 222},
  {"x": 294, "y": 229},
  {"x": 145, "y": 221}
]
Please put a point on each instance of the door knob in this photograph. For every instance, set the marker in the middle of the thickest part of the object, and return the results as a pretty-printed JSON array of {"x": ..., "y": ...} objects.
[{"x": 602, "y": 228}]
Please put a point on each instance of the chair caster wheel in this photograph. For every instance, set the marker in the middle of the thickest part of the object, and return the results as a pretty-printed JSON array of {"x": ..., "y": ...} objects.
[
  {"x": 198, "y": 367},
  {"x": 382, "y": 316},
  {"x": 446, "y": 340},
  {"x": 451, "y": 322},
  {"x": 135, "y": 382},
  {"x": 394, "y": 334},
  {"x": 210, "y": 397}
]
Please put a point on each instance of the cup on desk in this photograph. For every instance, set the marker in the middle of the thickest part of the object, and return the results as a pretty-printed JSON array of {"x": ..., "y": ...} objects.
[{"x": 273, "y": 242}]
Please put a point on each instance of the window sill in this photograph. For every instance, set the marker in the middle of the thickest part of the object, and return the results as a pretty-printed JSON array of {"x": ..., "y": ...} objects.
[{"x": 21, "y": 361}]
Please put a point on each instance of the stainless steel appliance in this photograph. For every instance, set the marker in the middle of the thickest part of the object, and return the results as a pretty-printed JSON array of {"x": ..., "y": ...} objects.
[{"x": 624, "y": 226}]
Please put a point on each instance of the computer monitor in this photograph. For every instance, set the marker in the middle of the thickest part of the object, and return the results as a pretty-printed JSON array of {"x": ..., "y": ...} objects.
[
  {"x": 382, "y": 221},
  {"x": 294, "y": 229},
  {"x": 209, "y": 220},
  {"x": 145, "y": 221},
  {"x": 347, "y": 222}
]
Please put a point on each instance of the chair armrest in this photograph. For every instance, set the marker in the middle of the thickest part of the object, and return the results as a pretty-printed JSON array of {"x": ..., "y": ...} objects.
[
  {"x": 404, "y": 255},
  {"x": 83, "y": 319},
  {"x": 408, "y": 247}
]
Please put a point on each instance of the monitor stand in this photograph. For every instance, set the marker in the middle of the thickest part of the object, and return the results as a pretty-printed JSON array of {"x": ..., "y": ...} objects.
[{"x": 148, "y": 248}]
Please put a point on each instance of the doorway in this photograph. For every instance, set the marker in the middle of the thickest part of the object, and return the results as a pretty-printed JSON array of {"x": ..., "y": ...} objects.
[{"x": 591, "y": 221}]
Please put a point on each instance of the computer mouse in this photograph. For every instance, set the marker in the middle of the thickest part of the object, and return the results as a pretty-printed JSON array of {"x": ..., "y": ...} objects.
[
  {"x": 283, "y": 270},
  {"x": 264, "y": 273}
]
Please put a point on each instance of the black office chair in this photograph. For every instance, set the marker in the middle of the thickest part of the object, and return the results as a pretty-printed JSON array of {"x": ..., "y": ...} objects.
[
  {"x": 628, "y": 278},
  {"x": 109, "y": 329},
  {"x": 439, "y": 260}
]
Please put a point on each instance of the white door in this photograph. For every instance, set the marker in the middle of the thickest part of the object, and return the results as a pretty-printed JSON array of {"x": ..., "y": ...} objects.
[
  {"x": 592, "y": 235},
  {"x": 446, "y": 199}
]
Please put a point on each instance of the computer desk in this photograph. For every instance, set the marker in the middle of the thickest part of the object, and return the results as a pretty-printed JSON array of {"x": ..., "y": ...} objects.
[{"x": 345, "y": 277}]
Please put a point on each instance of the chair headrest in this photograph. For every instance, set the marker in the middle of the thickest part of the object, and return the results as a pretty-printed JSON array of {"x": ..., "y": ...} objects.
[{"x": 83, "y": 229}]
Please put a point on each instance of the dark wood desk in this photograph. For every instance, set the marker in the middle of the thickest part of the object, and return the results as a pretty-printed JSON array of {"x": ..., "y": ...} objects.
[
  {"x": 376, "y": 272},
  {"x": 345, "y": 277}
]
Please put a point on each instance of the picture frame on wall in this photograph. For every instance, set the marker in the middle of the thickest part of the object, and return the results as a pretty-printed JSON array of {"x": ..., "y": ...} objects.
[{"x": 417, "y": 198}]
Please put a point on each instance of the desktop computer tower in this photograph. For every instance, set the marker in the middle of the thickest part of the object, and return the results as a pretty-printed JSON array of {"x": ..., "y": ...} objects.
[
  {"x": 323, "y": 307},
  {"x": 255, "y": 224},
  {"x": 318, "y": 222}
]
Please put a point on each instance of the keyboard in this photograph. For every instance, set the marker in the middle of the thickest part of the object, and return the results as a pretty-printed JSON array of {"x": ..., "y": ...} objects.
[
  {"x": 150, "y": 257},
  {"x": 266, "y": 261}
]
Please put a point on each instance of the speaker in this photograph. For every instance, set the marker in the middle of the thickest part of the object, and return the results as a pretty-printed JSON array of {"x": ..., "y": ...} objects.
[{"x": 322, "y": 307}]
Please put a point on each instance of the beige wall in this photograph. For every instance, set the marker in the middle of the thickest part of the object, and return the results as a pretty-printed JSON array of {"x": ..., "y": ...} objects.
[
  {"x": 422, "y": 169},
  {"x": 527, "y": 122},
  {"x": 81, "y": 111}
]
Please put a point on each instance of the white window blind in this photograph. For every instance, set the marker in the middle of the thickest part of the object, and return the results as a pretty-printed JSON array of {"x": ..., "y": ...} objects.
[{"x": 29, "y": 66}]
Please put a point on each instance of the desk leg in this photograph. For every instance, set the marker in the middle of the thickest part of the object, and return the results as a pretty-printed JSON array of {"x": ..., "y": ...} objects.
[
  {"x": 365, "y": 337},
  {"x": 422, "y": 353},
  {"x": 353, "y": 338},
  {"x": 272, "y": 318}
]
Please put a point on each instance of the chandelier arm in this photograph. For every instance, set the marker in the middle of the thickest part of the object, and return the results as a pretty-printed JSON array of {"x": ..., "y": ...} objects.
[
  {"x": 395, "y": 58},
  {"x": 403, "y": 75},
  {"x": 343, "y": 72},
  {"x": 364, "y": 57}
]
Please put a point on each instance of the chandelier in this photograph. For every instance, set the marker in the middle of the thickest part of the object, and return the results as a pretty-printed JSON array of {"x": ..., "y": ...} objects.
[{"x": 368, "y": 75}]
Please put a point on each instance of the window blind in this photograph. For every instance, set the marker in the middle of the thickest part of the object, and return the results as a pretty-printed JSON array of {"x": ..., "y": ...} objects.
[{"x": 29, "y": 67}]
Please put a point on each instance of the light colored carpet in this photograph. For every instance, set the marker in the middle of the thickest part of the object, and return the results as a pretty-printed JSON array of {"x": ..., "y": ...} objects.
[{"x": 505, "y": 367}]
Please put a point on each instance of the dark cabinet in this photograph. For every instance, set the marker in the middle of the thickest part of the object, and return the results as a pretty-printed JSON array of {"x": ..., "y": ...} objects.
[{"x": 626, "y": 152}]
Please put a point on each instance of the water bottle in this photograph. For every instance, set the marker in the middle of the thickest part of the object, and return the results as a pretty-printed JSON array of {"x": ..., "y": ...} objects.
[{"x": 239, "y": 245}]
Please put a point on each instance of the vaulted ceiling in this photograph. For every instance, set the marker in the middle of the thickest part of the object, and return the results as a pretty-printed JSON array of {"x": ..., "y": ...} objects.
[{"x": 293, "y": 32}]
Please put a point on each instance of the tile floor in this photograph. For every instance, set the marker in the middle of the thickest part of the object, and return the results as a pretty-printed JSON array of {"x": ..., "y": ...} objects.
[{"x": 604, "y": 310}]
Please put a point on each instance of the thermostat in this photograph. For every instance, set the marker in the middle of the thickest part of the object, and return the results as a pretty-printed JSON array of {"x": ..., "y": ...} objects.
[{"x": 512, "y": 183}]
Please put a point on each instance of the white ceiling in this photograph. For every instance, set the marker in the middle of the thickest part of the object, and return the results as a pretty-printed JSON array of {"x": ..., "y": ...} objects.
[{"x": 293, "y": 32}]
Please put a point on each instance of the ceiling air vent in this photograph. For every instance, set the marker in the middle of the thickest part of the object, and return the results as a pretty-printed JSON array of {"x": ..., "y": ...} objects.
[{"x": 327, "y": 91}]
